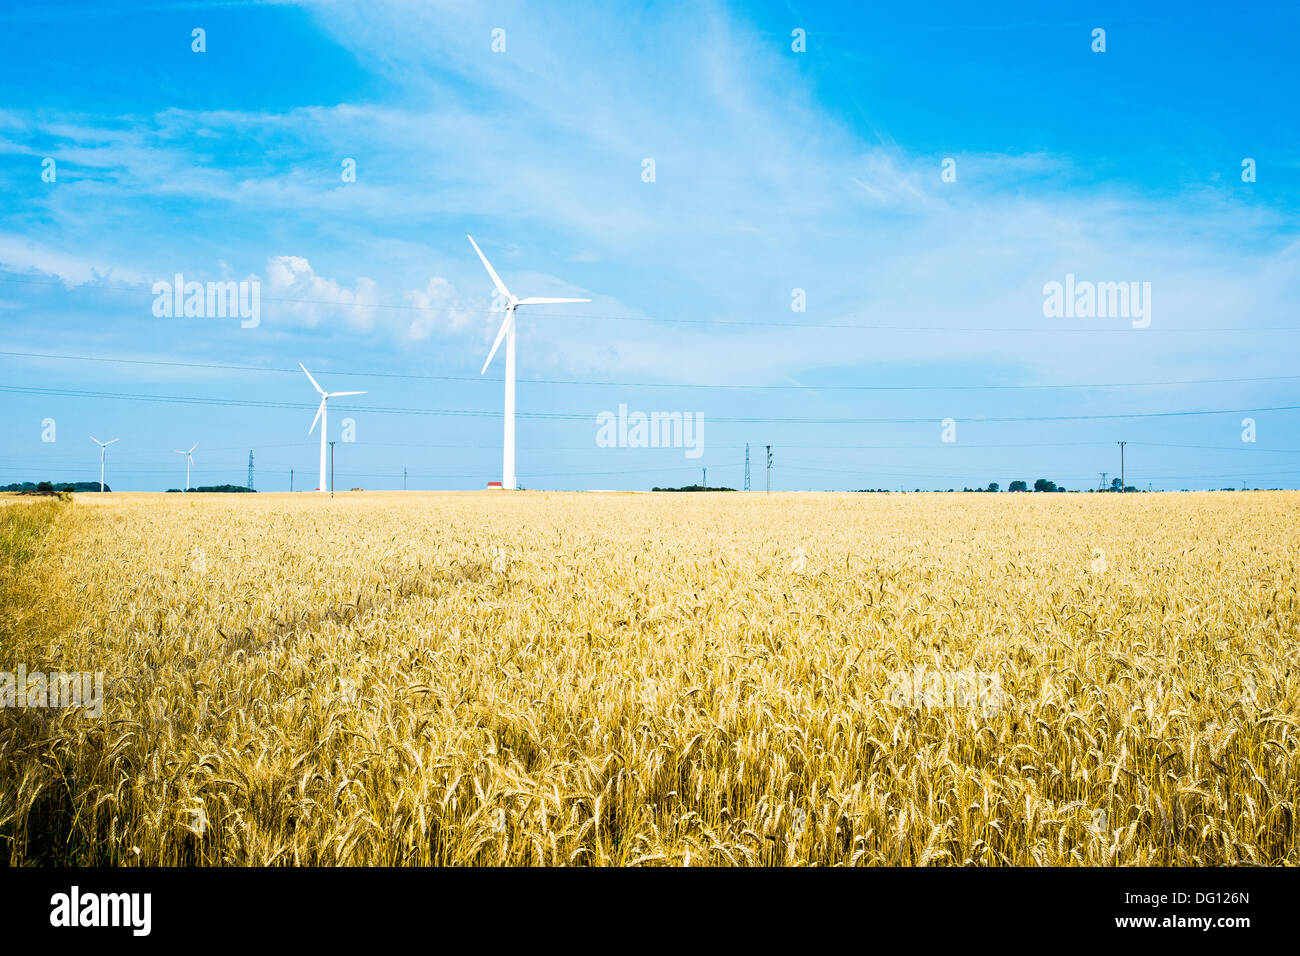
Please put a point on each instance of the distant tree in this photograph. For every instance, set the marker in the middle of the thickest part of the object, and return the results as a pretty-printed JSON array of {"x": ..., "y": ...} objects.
[
  {"x": 1017, "y": 486},
  {"x": 46, "y": 487},
  {"x": 695, "y": 488},
  {"x": 1042, "y": 484},
  {"x": 1115, "y": 485},
  {"x": 993, "y": 486},
  {"x": 64, "y": 485}
]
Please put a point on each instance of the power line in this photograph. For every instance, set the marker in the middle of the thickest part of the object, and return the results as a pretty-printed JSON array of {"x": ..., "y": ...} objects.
[
  {"x": 496, "y": 446},
  {"x": 580, "y": 416},
  {"x": 363, "y": 474},
  {"x": 700, "y": 385},
  {"x": 48, "y": 459},
  {"x": 1242, "y": 447},
  {"x": 866, "y": 472}
]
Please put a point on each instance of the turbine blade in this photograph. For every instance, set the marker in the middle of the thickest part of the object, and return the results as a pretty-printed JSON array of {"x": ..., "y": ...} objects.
[
  {"x": 319, "y": 412},
  {"x": 539, "y": 300},
  {"x": 337, "y": 394},
  {"x": 501, "y": 334},
  {"x": 96, "y": 440},
  {"x": 313, "y": 381},
  {"x": 177, "y": 451},
  {"x": 109, "y": 442},
  {"x": 496, "y": 279},
  {"x": 192, "y": 447}
]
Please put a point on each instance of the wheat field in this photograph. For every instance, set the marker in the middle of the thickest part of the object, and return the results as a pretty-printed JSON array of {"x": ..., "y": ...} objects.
[{"x": 655, "y": 679}]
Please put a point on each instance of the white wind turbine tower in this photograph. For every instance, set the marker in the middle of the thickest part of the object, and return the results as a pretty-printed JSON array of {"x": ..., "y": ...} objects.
[
  {"x": 189, "y": 460},
  {"x": 102, "y": 445},
  {"x": 508, "y": 332},
  {"x": 322, "y": 418}
]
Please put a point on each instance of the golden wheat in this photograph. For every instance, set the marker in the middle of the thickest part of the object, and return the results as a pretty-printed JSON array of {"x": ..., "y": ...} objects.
[{"x": 542, "y": 678}]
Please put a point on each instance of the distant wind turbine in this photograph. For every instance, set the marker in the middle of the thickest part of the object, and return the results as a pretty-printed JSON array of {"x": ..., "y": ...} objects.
[
  {"x": 507, "y": 332},
  {"x": 189, "y": 460},
  {"x": 102, "y": 445},
  {"x": 322, "y": 418}
]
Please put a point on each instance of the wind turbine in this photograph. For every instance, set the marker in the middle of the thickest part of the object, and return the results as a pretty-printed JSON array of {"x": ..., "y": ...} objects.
[
  {"x": 189, "y": 460},
  {"x": 322, "y": 418},
  {"x": 507, "y": 332},
  {"x": 102, "y": 445}
]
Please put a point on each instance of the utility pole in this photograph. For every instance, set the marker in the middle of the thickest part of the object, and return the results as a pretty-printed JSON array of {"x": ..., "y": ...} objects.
[
  {"x": 769, "y": 469},
  {"x": 250, "y": 469},
  {"x": 1122, "y": 484},
  {"x": 291, "y": 479},
  {"x": 706, "y": 477},
  {"x": 746, "y": 466},
  {"x": 403, "y": 479},
  {"x": 331, "y": 469}
]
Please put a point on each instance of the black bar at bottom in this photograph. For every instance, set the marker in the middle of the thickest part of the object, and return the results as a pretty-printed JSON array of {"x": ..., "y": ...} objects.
[{"x": 932, "y": 906}]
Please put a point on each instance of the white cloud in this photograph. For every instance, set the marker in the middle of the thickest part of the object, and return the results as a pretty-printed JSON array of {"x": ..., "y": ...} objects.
[
  {"x": 434, "y": 308},
  {"x": 297, "y": 292},
  {"x": 19, "y": 254},
  {"x": 759, "y": 189}
]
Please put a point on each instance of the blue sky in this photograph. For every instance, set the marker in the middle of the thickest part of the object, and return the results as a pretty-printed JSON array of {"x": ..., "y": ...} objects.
[{"x": 775, "y": 170}]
